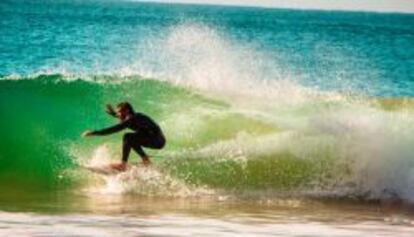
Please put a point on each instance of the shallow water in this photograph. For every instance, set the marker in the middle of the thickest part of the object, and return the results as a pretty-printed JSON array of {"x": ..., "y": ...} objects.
[{"x": 110, "y": 215}]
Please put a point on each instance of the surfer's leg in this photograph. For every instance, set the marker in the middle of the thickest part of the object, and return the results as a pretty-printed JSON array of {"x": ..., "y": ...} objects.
[
  {"x": 126, "y": 149},
  {"x": 133, "y": 140},
  {"x": 138, "y": 149},
  {"x": 157, "y": 142},
  {"x": 130, "y": 141}
]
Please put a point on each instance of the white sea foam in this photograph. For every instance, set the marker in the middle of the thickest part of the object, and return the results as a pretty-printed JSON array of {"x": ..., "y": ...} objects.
[
  {"x": 138, "y": 179},
  {"x": 29, "y": 224},
  {"x": 374, "y": 146}
]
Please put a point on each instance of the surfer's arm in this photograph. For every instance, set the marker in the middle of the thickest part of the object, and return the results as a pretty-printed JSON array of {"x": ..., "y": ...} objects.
[{"x": 113, "y": 129}]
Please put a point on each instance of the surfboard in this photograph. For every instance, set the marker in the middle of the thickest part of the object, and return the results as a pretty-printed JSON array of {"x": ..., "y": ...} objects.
[{"x": 105, "y": 170}]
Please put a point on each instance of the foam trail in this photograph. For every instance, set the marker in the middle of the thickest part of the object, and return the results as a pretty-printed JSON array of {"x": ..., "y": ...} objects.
[{"x": 139, "y": 180}]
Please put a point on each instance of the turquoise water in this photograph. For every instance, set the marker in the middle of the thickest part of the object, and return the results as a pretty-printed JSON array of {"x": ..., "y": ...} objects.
[
  {"x": 366, "y": 52},
  {"x": 268, "y": 114}
]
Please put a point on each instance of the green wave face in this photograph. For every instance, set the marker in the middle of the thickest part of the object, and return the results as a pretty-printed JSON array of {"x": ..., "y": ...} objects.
[
  {"x": 43, "y": 117},
  {"x": 39, "y": 118}
]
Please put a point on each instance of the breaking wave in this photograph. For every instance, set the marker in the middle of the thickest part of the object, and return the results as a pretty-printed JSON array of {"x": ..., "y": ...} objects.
[{"x": 234, "y": 124}]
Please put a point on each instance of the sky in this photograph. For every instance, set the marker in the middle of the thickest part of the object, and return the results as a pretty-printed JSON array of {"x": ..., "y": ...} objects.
[{"x": 356, "y": 5}]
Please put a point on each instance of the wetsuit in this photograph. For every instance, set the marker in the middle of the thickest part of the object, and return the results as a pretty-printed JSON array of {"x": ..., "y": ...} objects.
[{"x": 147, "y": 134}]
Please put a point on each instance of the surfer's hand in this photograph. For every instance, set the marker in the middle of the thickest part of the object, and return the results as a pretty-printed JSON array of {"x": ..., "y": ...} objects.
[
  {"x": 109, "y": 110},
  {"x": 87, "y": 133}
]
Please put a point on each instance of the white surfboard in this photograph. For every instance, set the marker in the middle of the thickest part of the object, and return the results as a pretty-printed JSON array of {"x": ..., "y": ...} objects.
[{"x": 104, "y": 169}]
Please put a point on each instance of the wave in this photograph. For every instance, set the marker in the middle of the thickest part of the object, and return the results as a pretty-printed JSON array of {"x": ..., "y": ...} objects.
[
  {"x": 349, "y": 148},
  {"x": 233, "y": 126}
]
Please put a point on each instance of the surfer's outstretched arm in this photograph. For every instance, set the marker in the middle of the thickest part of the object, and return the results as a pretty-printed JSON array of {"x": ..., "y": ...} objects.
[{"x": 116, "y": 128}]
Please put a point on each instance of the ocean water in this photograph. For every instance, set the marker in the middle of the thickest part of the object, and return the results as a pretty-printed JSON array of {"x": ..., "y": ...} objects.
[{"x": 279, "y": 122}]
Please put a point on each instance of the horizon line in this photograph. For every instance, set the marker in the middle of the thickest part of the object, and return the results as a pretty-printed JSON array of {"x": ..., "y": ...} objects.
[{"x": 305, "y": 8}]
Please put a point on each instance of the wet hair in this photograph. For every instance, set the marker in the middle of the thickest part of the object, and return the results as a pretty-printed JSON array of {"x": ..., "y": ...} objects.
[{"x": 125, "y": 105}]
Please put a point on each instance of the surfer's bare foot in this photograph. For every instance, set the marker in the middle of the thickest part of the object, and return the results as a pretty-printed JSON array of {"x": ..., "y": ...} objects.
[
  {"x": 146, "y": 161},
  {"x": 119, "y": 166}
]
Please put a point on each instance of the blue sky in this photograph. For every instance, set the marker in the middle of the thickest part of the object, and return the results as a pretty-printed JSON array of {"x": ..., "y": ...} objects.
[{"x": 364, "y": 5}]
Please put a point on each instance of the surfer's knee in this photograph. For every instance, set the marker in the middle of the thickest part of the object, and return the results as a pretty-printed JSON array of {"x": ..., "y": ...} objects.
[{"x": 160, "y": 143}]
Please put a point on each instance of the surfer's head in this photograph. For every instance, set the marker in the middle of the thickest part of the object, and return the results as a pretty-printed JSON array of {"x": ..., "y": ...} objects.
[{"x": 124, "y": 109}]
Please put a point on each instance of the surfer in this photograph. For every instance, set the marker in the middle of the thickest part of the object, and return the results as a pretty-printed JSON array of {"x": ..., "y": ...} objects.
[{"x": 146, "y": 133}]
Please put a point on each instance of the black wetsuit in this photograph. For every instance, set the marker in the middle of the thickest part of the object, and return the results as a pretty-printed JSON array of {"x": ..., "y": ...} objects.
[{"x": 147, "y": 134}]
